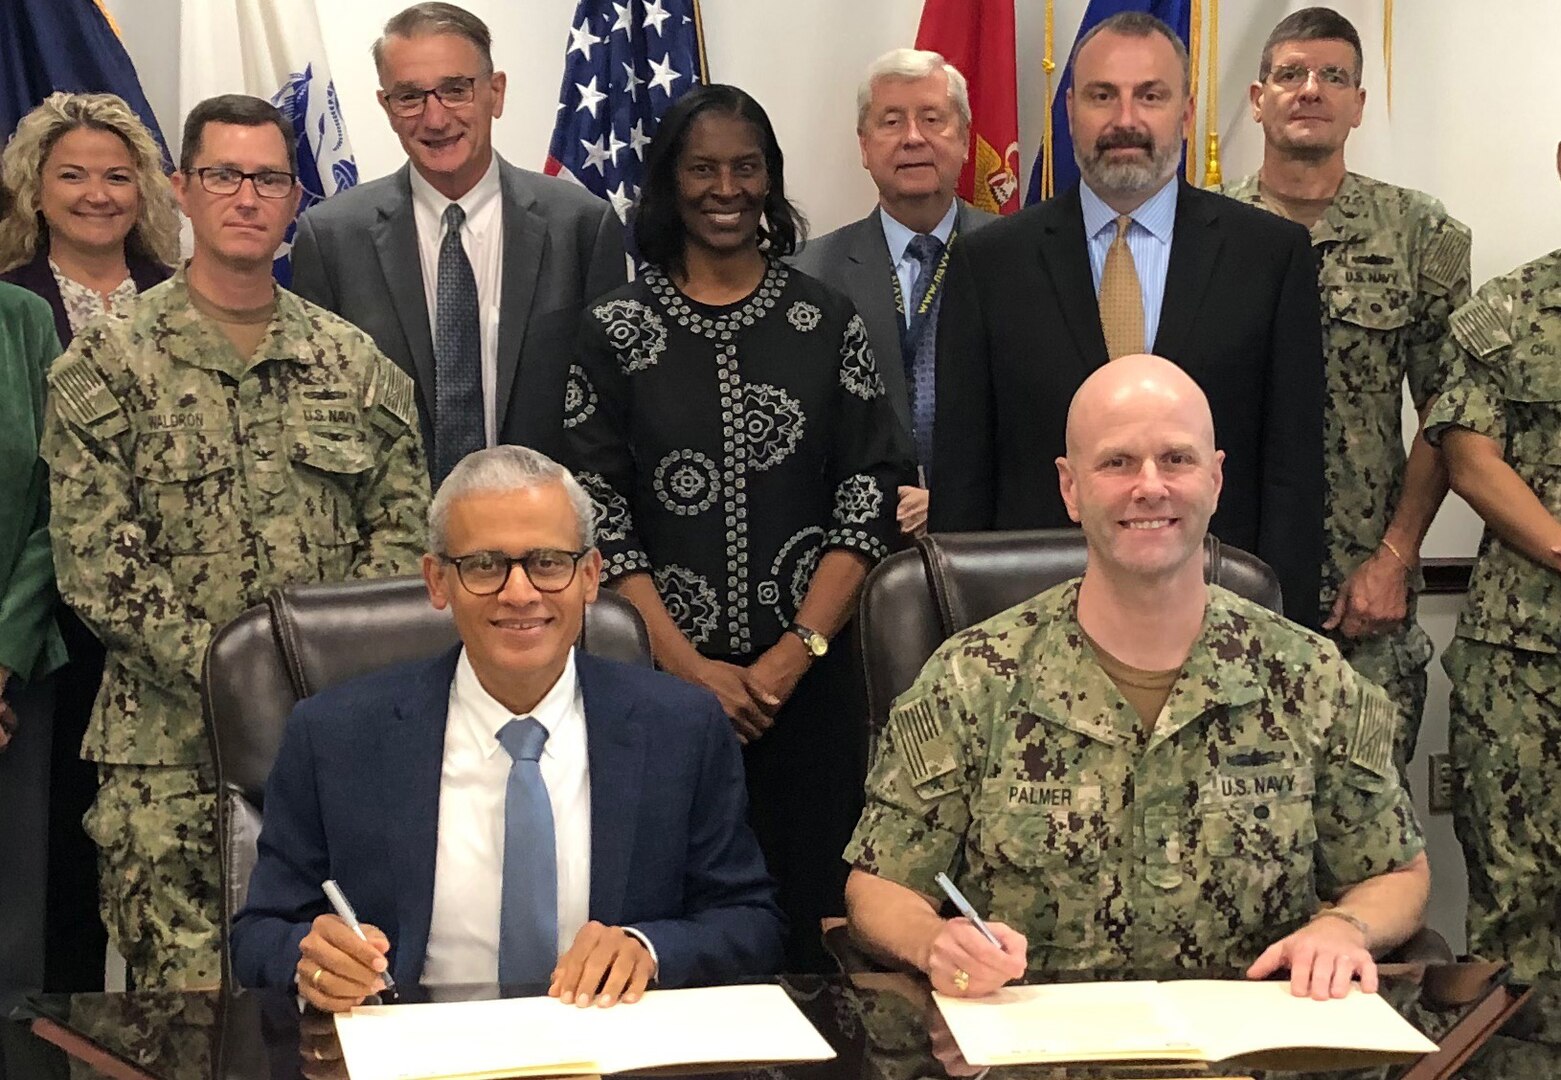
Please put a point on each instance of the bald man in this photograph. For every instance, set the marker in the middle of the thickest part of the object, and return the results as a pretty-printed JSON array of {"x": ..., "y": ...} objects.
[{"x": 1138, "y": 770}]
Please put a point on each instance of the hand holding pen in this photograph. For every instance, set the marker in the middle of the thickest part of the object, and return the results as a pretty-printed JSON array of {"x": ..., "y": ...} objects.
[
  {"x": 341, "y": 961},
  {"x": 971, "y": 957}
]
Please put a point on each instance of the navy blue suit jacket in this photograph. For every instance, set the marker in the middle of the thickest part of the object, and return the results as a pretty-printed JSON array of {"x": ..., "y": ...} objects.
[{"x": 354, "y": 796}]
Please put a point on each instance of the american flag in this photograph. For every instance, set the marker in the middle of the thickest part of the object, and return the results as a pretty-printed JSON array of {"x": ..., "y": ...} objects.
[{"x": 625, "y": 63}]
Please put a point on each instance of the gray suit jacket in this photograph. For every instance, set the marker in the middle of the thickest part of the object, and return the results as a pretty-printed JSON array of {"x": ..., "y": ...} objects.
[
  {"x": 356, "y": 254},
  {"x": 855, "y": 260}
]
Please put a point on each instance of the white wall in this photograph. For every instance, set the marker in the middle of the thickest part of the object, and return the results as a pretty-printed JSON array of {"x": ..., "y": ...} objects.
[{"x": 1473, "y": 122}]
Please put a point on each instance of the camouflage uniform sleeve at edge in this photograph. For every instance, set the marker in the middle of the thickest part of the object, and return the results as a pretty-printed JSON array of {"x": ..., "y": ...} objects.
[
  {"x": 393, "y": 506},
  {"x": 918, "y": 793},
  {"x": 1476, "y": 349},
  {"x": 101, "y": 557},
  {"x": 1366, "y": 825},
  {"x": 1444, "y": 287}
]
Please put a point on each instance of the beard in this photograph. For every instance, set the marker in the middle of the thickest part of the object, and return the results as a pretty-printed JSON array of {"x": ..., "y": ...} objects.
[{"x": 1126, "y": 178}]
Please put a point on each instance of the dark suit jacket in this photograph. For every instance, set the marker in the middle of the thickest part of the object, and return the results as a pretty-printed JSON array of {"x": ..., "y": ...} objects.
[
  {"x": 855, "y": 260},
  {"x": 354, "y": 795},
  {"x": 35, "y": 276},
  {"x": 356, "y": 254},
  {"x": 1019, "y": 331}
]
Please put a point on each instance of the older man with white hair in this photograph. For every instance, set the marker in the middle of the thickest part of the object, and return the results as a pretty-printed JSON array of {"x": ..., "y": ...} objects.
[{"x": 913, "y": 126}]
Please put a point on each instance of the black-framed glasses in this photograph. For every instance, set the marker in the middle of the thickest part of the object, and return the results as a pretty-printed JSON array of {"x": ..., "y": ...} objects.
[
  {"x": 1293, "y": 76},
  {"x": 487, "y": 572},
  {"x": 453, "y": 93},
  {"x": 226, "y": 180}
]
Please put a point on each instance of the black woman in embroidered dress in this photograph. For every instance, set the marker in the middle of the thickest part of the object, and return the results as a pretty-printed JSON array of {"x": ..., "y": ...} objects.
[{"x": 727, "y": 416}]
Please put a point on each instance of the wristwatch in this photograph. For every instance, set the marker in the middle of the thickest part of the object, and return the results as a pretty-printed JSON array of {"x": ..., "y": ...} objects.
[{"x": 816, "y": 642}]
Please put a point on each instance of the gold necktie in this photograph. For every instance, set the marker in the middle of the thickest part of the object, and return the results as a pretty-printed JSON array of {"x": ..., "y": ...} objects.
[{"x": 1121, "y": 299}]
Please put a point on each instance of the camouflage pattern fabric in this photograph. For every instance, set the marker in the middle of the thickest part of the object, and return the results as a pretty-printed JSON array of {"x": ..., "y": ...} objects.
[
  {"x": 1504, "y": 382},
  {"x": 1014, "y": 765},
  {"x": 1504, "y": 732},
  {"x": 159, "y": 877},
  {"x": 174, "y": 1035},
  {"x": 1392, "y": 267},
  {"x": 186, "y": 482}
]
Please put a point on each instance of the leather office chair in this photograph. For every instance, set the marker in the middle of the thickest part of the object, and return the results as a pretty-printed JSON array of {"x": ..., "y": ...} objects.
[
  {"x": 305, "y": 638},
  {"x": 915, "y": 600}
]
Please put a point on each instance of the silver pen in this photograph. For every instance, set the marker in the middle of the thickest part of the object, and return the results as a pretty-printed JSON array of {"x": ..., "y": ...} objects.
[
  {"x": 338, "y": 901},
  {"x": 966, "y": 910}
]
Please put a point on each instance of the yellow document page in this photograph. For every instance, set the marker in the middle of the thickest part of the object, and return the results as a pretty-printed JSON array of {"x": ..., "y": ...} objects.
[
  {"x": 539, "y": 1036},
  {"x": 1196, "y": 1020}
]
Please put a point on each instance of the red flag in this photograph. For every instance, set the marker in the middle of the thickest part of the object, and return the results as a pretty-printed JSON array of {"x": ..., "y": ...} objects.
[{"x": 977, "y": 36}]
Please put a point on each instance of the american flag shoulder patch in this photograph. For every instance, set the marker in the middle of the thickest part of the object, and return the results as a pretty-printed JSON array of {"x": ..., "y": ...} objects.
[
  {"x": 1376, "y": 725},
  {"x": 919, "y": 737}
]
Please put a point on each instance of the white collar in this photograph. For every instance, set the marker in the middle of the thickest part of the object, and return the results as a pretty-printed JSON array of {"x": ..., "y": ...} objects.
[
  {"x": 427, "y": 197},
  {"x": 485, "y": 715}
]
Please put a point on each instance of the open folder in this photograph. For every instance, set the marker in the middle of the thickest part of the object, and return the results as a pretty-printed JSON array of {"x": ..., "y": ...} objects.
[
  {"x": 1195, "y": 1020},
  {"x": 540, "y": 1036}
]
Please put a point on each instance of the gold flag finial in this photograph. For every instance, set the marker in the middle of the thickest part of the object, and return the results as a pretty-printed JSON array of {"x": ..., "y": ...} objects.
[
  {"x": 1048, "y": 184},
  {"x": 1194, "y": 47},
  {"x": 1211, "y": 102},
  {"x": 1387, "y": 48}
]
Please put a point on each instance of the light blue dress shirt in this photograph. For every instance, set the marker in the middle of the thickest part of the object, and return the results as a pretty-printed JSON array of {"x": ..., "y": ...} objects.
[
  {"x": 1148, "y": 238},
  {"x": 898, "y": 237}
]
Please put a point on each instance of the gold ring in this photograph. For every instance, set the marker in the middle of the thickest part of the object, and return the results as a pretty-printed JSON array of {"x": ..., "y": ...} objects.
[
  {"x": 314, "y": 980},
  {"x": 315, "y": 1050},
  {"x": 961, "y": 980}
]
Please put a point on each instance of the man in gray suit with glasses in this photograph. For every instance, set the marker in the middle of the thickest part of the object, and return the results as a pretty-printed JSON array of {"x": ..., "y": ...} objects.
[{"x": 469, "y": 273}]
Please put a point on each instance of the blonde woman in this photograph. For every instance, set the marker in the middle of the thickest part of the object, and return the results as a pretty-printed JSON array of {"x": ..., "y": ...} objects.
[{"x": 92, "y": 221}]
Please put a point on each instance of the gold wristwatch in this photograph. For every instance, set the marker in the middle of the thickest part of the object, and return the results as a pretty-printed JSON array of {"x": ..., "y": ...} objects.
[{"x": 816, "y": 642}]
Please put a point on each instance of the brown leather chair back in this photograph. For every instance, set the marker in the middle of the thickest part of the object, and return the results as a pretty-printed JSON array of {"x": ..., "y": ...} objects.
[
  {"x": 305, "y": 638},
  {"x": 915, "y": 600}
]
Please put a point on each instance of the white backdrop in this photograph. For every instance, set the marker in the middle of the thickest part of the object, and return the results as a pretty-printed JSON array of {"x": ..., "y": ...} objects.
[{"x": 1473, "y": 122}]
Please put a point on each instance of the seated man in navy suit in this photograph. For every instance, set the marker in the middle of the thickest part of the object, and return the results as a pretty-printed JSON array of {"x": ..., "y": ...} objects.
[{"x": 513, "y": 810}]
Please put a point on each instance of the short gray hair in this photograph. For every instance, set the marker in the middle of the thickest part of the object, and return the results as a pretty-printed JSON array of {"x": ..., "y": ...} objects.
[
  {"x": 912, "y": 64},
  {"x": 502, "y": 469},
  {"x": 421, "y": 20}
]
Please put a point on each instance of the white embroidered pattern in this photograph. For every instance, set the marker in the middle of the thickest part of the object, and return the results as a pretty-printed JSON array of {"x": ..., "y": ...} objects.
[
  {"x": 858, "y": 369},
  {"x": 858, "y": 500},
  {"x": 635, "y": 332},
  {"x": 687, "y": 482},
  {"x": 771, "y": 422},
  {"x": 690, "y": 601},
  {"x": 804, "y": 316},
  {"x": 579, "y": 397}
]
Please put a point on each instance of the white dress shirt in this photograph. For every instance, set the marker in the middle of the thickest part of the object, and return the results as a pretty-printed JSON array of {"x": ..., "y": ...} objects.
[
  {"x": 898, "y": 236},
  {"x": 1148, "y": 238},
  {"x": 463, "y": 934},
  {"x": 482, "y": 235}
]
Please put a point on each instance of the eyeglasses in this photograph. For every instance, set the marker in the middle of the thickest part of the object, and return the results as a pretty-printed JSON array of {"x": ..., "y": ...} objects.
[
  {"x": 487, "y": 572},
  {"x": 453, "y": 93},
  {"x": 1293, "y": 76},
  {"x": 226, "y": 180}
]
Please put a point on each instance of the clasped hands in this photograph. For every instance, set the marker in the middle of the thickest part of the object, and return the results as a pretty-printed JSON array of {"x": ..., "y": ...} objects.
[
  {"x": 751, "y": 696},
  {"x": 337, "y": 970},
  {"x": 1323, "y": 957}
]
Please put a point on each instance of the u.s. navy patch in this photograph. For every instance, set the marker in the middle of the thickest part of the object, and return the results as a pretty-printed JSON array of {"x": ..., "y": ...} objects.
[
  {"x": 1376, "y": 725},
  {"x": 919, "y": 737}
]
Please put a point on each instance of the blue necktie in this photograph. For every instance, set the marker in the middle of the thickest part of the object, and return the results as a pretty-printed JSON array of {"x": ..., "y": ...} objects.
[
  {"x": 918, "y": 343},
  {"x": 528, "y": 912},
  {"x": 458, "y": 411}
]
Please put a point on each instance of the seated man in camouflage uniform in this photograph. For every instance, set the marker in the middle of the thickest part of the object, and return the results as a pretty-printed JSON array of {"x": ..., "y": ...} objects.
[
  {"x": 1136, "y": 770},
  {"x": 223, "y": 439}
]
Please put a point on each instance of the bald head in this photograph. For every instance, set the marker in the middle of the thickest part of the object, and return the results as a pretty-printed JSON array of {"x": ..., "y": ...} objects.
[{"x": 1139, "y": 385}]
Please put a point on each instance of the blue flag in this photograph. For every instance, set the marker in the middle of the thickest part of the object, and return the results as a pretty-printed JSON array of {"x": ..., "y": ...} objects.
[
  {"x": 49, "y": 45},
  {"x": 624, "y": 65},
  {"x": 1177, "y": 14}
]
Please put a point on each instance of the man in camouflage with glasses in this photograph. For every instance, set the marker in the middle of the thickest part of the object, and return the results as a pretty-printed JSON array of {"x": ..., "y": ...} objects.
[
  {"x": 1392, "y": 266},
  {"x": 224, "y": 439}
]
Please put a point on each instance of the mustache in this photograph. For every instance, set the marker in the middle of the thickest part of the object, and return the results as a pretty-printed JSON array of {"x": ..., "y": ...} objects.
[{"x": 1124, "y": 139}]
